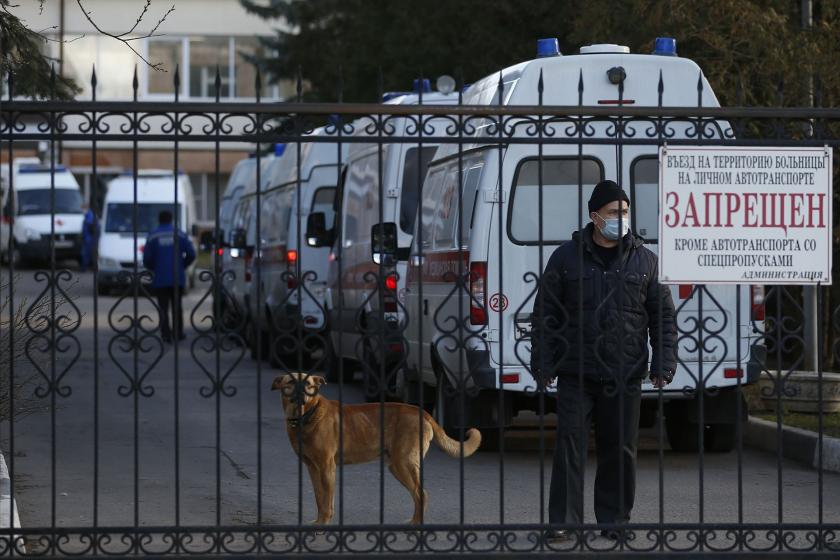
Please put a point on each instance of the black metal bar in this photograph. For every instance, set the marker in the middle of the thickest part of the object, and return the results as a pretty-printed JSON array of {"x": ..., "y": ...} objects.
[
  {"x": 95, "y": 268},
  {"x": 366, "y": 109}
]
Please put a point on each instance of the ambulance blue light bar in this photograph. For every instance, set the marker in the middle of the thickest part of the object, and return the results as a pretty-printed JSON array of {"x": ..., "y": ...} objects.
[
  {"x": 548, "y": 47},
  {"x": 665, "y": 46},
  {"x": 425, "y": 84},
  {"x": 279, "y": 149}
]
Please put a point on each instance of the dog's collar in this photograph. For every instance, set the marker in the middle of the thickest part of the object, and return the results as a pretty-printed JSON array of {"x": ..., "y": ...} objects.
[{"x": 303, "y": 419}]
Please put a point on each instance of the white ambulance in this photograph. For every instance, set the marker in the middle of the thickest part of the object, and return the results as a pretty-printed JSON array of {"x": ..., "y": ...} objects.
[
  {"x": 240, "y": 273},
  {"x": 34, "y": 225},
  {"x": 293, "y": 275},
  {"x": 244, "y": 173},
  {"x": 142, "y": 198},
  {"x": 363, "y": 297},
  {"x": 481, "y": 331}
]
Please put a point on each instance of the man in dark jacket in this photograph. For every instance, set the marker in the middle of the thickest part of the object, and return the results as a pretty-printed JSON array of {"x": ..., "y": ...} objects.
[
  {"x": 599, "y": 300},
  {"x": 90, "y": 240},
  {"x": 168, "y": 265}
]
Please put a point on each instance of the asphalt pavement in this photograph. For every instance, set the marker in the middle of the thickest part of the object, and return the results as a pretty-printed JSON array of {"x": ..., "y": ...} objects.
[{"x": 176, "y": 451}]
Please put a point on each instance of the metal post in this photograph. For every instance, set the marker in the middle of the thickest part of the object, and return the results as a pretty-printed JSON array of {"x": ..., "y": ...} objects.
[{"x": 809, "y": 293}]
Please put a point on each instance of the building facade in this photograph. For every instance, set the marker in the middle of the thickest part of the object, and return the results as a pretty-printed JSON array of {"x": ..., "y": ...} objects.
[{"x": 197, "y": 37}]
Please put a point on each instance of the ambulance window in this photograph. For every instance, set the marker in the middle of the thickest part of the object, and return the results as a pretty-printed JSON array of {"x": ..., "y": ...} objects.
[
  {"x": 446, "y": 233},
  {"x": 414, "y": 172},
  {"x": 447, "y": 210},
  {"x": 322, "y": 201},
  {"x": 644, "y": 206},
  {"x": 428, "y": 209},
  {"x": 361, "y": 196},
  {"x": 562, "y": 211},
  {"x": 277, "y": 209},
  {"x": 472, "y": 177}
]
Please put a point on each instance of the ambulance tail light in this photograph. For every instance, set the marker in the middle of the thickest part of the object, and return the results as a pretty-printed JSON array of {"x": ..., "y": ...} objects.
[
  {"x": 9, "y": 220},
  {"x": 291, "y": 264},
  {"x": 757, "y": 303},
  {"x": 733, "y": 373},
  {"x": 685, "y": 290},
  {"x": 389, "y": 299},
  {"x": 478, "y": 293}
]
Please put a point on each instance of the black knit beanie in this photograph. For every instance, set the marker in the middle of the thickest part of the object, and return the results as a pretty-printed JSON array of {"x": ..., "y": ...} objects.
[{"x": 604, "y": 193}]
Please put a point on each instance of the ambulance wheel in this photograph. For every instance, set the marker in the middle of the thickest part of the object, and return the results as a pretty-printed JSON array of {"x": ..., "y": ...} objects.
[
  {"x": 372, "y": 371},
  {"x": 683, "y": 436},
  {"x": 449, "y": 410},
  {"x": 409, "y": 388},
  {"x": 337, "y": 368},
  {"x": 259, "y": 350},
  {"x": 15, "y": 259},
  {"x": 720, "y": 438}
]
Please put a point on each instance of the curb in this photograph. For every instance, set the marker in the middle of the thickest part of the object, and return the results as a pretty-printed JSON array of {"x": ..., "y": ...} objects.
[{"x": 797, "y": 444}]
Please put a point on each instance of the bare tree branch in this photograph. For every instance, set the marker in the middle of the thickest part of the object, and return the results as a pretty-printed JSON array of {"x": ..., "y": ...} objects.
[{"x": 122, "y": 37}]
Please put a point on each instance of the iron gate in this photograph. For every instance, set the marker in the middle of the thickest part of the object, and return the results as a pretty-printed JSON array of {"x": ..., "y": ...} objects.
[{"x": 136, "y": 446}]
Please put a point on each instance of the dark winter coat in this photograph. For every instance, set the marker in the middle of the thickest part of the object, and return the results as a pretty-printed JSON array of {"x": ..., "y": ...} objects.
[
  {"x": 158, "y": 256},
  {"x": 601, "y": 314}
]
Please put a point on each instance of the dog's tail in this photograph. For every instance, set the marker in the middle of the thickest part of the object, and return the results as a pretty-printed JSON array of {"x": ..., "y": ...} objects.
[{"x": 452, "y": 447}]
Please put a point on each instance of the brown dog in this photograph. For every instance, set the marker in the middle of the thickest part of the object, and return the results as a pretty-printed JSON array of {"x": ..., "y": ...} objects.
[{"x": 312, "y": 423}]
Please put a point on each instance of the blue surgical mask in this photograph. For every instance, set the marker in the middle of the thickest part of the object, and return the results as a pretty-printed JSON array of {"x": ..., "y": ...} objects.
[{"x": 611, "y": 229}]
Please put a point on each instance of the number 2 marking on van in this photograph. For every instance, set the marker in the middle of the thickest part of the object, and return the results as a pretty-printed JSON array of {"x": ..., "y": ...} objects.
[{"x": 495, "y": 299}]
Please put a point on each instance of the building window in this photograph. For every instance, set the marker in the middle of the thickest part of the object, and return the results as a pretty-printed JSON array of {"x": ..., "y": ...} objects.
[
  {"x": 199, "y": 57},
  {"x": 207, "y": 54},
  {"x": 246, "y": 72},
  {"x": 169, "y": 53}
]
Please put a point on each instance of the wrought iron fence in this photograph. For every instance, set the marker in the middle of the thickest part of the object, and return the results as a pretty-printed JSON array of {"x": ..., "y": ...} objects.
[{"x": 418, "y": 274}]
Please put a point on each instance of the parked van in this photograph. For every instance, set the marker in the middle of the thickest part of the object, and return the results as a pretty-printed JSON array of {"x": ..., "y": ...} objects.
[
  {"x": 363, "y": 297},
  {"x": 481, "y": 331},
  {"x": 155, "y": 192},
  {"x": 293, "y": 275},
  {"x": 30, "y": 218},
  {"x": 240, "y": 272},
  {"x": 243, "y": 174}
]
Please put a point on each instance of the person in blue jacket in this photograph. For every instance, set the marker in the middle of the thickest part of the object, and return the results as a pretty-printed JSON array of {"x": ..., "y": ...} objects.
[
  {"x": 90, "y": 238},
  {"x": 168, "y": 267}
]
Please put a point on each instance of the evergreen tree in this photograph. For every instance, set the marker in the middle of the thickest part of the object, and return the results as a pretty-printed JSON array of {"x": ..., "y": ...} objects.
[{"x": 22, "y": 56}]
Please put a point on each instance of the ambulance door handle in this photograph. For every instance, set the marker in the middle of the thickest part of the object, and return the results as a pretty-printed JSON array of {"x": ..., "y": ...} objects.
[{"x": 425, "y": 307}]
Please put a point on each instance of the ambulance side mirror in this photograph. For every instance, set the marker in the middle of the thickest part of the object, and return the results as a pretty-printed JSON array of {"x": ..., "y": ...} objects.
[
  {"x": 316, "y": 230},
  {"x": 383, "y": 243}
]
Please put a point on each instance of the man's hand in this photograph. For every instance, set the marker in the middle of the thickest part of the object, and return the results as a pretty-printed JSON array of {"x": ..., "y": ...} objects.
[
  {"x": 545, "y": 384},
  {"x": 661, "y": 380}
]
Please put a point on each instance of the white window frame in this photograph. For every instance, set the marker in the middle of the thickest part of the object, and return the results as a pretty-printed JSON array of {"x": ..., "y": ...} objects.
[
  {"x": 143, "y": 91},
  {"x": 184, "y": 93}
]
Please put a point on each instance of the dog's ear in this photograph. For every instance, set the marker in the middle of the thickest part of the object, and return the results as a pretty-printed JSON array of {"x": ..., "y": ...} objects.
[
  {"x": 278, "y": 382},
  {"x": 319, "y": 380}
]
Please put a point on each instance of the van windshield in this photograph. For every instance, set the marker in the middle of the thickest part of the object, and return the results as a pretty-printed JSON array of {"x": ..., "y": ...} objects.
[
  {"x": 414, "y": 172},
  {"x": 119, "y": 216},
  {"x": 37, "y": 201},
  {"x": 563, "y": 211}
]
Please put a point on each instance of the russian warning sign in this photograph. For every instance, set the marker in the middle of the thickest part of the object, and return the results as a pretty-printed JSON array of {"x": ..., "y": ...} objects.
[{"x": 745, "y": 215}]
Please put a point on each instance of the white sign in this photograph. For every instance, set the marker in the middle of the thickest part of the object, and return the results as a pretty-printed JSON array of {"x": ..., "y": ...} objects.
[{"x": 745, "y": 215}]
